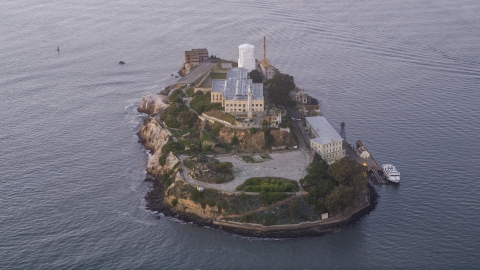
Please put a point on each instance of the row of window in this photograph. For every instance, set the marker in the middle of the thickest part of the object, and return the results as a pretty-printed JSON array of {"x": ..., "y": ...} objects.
[
  {"x": 239, "y": 105},
  {"x": 239, "y": 110}
]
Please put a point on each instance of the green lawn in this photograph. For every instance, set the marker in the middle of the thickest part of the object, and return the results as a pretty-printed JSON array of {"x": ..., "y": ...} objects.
[
  {"x": 268, "y": 184},
  {"x": 248, "y": 159},
  {"x": 218, "y": 76}
]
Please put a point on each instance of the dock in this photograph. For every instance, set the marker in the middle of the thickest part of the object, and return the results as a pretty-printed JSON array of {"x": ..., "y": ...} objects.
[{"x": 365, "y": 157}]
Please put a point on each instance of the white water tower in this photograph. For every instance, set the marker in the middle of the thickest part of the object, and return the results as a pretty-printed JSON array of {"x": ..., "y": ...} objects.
[{"x": 246, "y": 57}]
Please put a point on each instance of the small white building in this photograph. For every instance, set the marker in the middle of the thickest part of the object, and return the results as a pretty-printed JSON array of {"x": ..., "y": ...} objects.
[
  {"x": 363, "y": 153},
  {"x": 268, "y": 71},
  {"x": 324, "y": 139}
]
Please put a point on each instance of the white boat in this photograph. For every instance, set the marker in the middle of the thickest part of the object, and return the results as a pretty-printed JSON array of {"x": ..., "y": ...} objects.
[{"x": 391, "y": 173}]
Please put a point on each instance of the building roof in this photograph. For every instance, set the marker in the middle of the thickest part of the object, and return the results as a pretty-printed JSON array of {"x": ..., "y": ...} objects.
[
  {"x": 326, "y": 133},
  {"x": 246, "y": 45},
  {"x": 235, "y": 89},
  {"x": 226, "y": 65},
  {"x": 237, "y": 73},
  {"x": 265, "y": 63}
]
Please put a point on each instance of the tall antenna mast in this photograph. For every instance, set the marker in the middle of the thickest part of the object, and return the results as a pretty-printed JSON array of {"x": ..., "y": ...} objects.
[{"x": 264, "y": 48}]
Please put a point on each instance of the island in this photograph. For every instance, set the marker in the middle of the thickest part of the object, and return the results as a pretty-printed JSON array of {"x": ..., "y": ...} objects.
[{"x": 239, "y": 147}]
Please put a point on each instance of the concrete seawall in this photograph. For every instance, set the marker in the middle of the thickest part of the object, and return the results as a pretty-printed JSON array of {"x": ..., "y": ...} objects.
[{"x": 310, "y": 228}]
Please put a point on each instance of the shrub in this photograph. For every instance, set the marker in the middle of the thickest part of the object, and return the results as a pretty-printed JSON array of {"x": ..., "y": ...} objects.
[
  {"x": 216, "y": 128},
  {"x": 253, "y": 130},
  {"x": 196, "y": 195},
  {"x": 200, "y": 102},
  {"x": 293, "y": 209},
  {"x": 163, "y": 159},
  {"x": 268, "y": 138},
  {"x": 234, "y": 140},
  {"x": 270, "y": 219},
  {"x": 174, "y": 202},
  {"x": 176, "y": 96},
  {"x": 190, "y": 91},
  {"x": 224, "y": 167},
  {"x": 268, "y": 184},
  {"x": 171, "y": 147},
  {"x": 269, "y": 198}
]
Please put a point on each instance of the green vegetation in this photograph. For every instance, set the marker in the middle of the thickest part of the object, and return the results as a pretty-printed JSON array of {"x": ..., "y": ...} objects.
[
  {"x": 269, "y": 198},
  {"x": 187, "y": 119},
  {"x": 174, "y": 202},
  {"x": 167, "y": 89},
  {"x": 293, "y": 209},
  {"x": 234, "y": 140},
  {"x": 265, "y": 156},
  {"x": 176, "y": 96},
  {"x": 279, "y": 88},
  {"x": 287, "y": 122},
  {"x": 170, "y": 114},
  {"x": 248, "y": 159},
  {"x": 208, "y": 169},
  {"x": 333, "y": 188},
  {"x": 253, "y": 130},
  {"x": 269, "y": 139},
  {"x": 162, "y": 160},
  {"x": 255, "y": 76},
  {"x": 216, "y": 127},
  {"x": 268, "y": 184},
  {"x": 218, "y": 76},
  {"x": 200, "y": 102},
  {"x": 214, "y": 110},
  {"x": 190, "y": 91},
  {"x": 172, "y": 146},
  {"x": 270, "y": 219}
]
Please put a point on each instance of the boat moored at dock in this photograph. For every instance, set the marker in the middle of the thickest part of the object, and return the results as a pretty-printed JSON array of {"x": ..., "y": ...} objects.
[{"x": 391, "y": 173}]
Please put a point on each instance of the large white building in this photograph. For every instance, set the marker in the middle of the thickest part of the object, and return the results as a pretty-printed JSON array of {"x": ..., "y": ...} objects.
[
  {"x": 234, "y": 94},
  {"x": 324, "y": 139},
  {"x": 246, "y": 57}
]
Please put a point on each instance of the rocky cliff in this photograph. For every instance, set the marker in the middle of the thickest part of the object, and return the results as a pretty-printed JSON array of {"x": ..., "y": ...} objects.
[
  {"x": 255, "y": 143},
  {"x": 154, "y": 137},
  {"x": 152, "y": 104}
]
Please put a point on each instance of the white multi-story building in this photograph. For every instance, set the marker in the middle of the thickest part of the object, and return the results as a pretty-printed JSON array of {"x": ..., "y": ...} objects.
[{"x": 324, "y": 139}]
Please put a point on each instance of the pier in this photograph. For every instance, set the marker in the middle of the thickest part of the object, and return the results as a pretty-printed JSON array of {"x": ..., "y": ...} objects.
[{"x": 365, "y": 157}]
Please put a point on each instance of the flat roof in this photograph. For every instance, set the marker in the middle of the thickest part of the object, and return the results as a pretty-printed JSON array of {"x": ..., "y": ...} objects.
[
  {"x": 197, "y": 73},
  {"x": 237, "y": 73},
  {"x": 326, "y": 133},
  {"x": 234, "y": 89}
]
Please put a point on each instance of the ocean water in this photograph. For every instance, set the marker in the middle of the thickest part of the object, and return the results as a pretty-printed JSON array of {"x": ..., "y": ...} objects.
[{"x": 404, "y": 76}]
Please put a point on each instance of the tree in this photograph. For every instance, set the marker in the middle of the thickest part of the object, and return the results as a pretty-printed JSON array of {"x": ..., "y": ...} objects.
[
  {"x": 279, "y": 88},
  {"x": 255, "y": 76},
  {"x": 343, "y": 170},
  {"x": 269, "y": 139},
  {"x": 234, "y": 140}
]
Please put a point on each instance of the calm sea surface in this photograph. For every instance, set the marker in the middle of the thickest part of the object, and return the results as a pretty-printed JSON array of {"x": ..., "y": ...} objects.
[{"x": 403, "y": 75}]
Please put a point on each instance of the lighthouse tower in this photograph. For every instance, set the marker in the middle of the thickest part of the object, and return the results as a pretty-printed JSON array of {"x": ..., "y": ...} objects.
[{"x": 249, "y": 106}]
